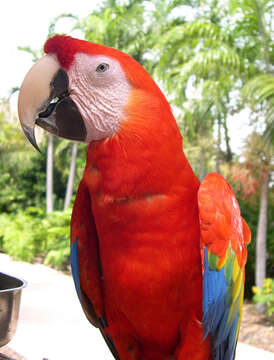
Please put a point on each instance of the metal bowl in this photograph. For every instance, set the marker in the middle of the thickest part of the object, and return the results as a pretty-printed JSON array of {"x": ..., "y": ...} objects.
[{"x": 10, "y": 296}]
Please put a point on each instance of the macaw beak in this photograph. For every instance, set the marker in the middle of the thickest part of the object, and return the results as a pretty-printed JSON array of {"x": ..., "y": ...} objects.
[{"x": 44, "y": 100}]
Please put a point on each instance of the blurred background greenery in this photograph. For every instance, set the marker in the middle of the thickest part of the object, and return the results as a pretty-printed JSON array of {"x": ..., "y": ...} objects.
[{"x": 213, "y": 60}]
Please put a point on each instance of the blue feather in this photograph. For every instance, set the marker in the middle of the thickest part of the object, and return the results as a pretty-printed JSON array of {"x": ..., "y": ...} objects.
[
  {"x": 74, "y": 266},
  {"x": 216, "y": 309},
  {"x": 232, "y": 336},
  {"x": 222, "y": 329}
]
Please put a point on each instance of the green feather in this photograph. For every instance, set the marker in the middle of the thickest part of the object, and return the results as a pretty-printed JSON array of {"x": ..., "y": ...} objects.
[
  {"x": 212, "y": 260},
  {"x": 229, "y": 266}
]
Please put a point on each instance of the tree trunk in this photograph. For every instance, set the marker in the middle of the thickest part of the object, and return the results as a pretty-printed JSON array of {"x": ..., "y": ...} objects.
[
  {"x": 49, "y": 186},
  {"x": 218, "y": 157},
  {"x": 261, "y": 238},
  {"x": 70, "y": 182},
  {"x": 227, "y": 142},
  {"x": 201, "y": 167}
]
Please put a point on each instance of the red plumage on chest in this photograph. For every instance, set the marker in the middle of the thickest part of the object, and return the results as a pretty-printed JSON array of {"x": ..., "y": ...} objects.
[{"x": 150, "y": 256}]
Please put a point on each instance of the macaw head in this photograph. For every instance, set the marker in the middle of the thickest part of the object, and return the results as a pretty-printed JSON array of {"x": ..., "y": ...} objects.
[{"x": 81, "y": 91}]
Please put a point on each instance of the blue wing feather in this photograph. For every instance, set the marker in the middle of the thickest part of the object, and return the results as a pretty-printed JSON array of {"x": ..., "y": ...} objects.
[
  {"x": 224, "y": 235},
  {"x": 216, "y": 313},
  {"x": 75, "y": 267}
]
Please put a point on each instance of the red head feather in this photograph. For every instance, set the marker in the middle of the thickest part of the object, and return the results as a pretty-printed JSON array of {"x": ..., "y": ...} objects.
[{"x": 64, "y": 47}]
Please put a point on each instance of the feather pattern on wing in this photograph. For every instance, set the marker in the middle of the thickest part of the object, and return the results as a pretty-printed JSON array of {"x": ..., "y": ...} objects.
[{"x": 224, "y": 235}]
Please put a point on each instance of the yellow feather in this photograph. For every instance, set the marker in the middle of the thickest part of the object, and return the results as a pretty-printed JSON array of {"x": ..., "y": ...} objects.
[
  {"x": 221, "y": 261},
  {"x": 237, "y": 285},
  {"x": 240, "y": 312},
  {"x": 237, "y": 292},
  {"x": 236, "y": 269}
]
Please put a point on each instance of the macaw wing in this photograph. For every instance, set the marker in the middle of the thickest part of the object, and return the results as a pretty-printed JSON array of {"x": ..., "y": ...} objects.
[
  {"x": 224, "y": 235},
  {"x": 85, "y": 263}
]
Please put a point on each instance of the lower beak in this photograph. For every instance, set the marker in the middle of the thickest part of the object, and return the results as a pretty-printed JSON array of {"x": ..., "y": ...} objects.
[{"x": 44, "y": 100}]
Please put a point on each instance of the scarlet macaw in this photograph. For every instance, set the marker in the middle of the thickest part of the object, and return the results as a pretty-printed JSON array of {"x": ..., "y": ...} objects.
[{"x": 157, "y": 258}]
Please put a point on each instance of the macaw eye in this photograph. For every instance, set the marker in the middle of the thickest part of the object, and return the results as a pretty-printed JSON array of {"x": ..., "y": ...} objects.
[{"x": 102, "y": 67}]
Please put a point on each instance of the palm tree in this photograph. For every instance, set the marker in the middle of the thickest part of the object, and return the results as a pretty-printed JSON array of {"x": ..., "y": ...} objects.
[
  {"x": 229, "y": 45},
  {"x": 70, "y": 182},
  {"x": 119, "y": 25},
  {"x": 259, "y": 154},
  {"x": 260, "y": 91},
  {"x": 49, "y": 178}
]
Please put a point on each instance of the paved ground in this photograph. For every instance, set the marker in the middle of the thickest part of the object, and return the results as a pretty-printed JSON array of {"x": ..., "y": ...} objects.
[{"x": 52, "y": 326}]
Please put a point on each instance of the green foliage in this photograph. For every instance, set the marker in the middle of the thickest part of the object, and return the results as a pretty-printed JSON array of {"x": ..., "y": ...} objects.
[
  {"x": 23, "y": 181},
  {"x": 228, "y": 43},
  {"x": 201, "y": 155},
  {"x": 27, "y": 234},
  {"x": 36, "y": 54},
  {"x": 260, "y": 90},
  {"x": 62, "y": 158},
  {"x": 11, "y": 139},
  {"x": 25, "y": 231},
  {"x": 119, "y": 25},
  {"x": 250, "y": 212},
  {"x": 57, "y": 241},
  {"x": 265, "y": 295},
  {"x": 21, "y": 235}
]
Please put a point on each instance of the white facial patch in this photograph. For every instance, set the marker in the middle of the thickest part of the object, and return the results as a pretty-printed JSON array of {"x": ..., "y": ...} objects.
[{"x": 98, "y": 86}]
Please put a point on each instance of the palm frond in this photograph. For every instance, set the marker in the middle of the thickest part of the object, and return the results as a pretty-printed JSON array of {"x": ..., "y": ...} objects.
[
  {"x": 54, "y": 22},
  {"x": 206, "y": 64},
  {"x": 260, "y": 90},
  {"x": 197, "y": 29}
]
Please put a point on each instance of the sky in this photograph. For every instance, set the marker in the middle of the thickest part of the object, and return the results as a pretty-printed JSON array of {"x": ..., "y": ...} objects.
[{"x": 25, "y": 23}]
